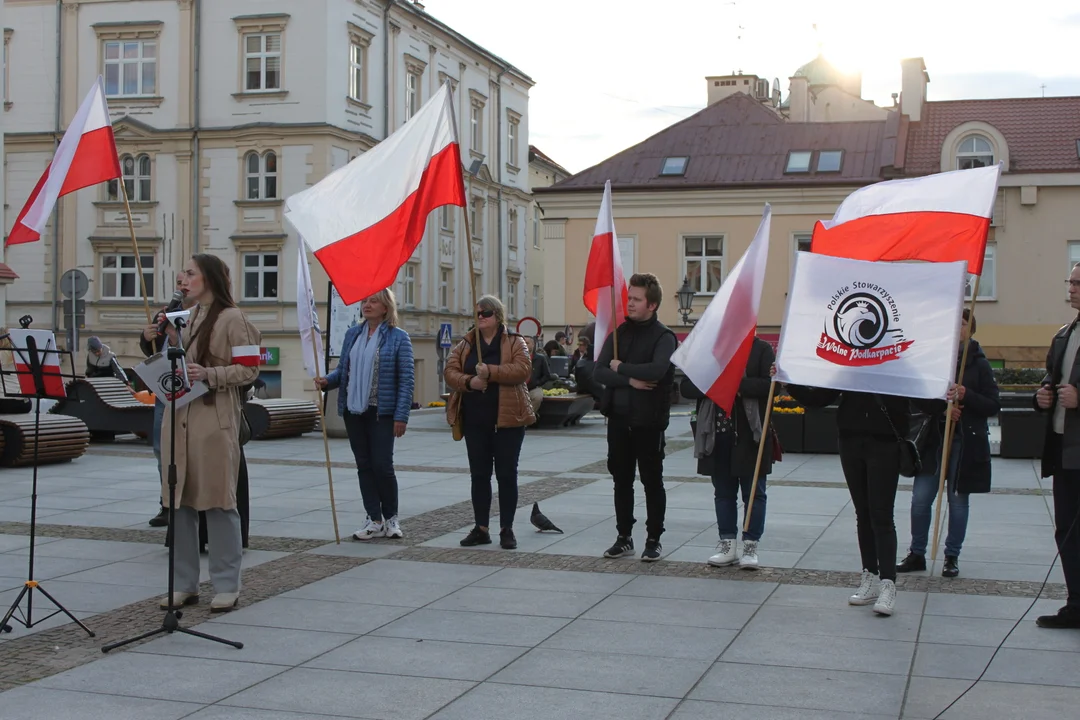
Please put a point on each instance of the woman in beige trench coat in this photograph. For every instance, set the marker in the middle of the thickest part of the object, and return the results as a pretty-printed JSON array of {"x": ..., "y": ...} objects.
[{"x": 222, "y": 351}]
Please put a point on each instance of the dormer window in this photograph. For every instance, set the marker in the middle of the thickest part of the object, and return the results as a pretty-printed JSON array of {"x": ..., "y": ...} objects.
[
  {"x": 974, "y": 151},
  {"x": 829, "y": 160},
  {"x": 798, "y": 161},
  {"x": 674, "y": 166}
]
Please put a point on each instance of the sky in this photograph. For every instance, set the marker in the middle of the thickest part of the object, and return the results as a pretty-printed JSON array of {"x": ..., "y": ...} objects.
[{"x": 610, "y": 73}]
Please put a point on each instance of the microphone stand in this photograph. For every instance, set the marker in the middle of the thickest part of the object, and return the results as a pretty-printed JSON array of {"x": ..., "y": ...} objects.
[{"x": 171, "y": 621}]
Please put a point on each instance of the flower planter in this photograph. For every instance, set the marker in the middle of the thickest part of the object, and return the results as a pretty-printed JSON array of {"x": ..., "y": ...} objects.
[
  {"x": 819, "y": 431},
  {"x": 1023, "y": 431},
  {"x": 789, "y": 429}
]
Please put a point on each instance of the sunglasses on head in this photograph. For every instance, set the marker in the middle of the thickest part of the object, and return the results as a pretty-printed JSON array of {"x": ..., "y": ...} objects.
[{"x": 485, "y": 313}]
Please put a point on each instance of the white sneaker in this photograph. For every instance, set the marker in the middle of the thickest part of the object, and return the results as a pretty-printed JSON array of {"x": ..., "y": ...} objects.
[
  {"x": 887, "y": 602},
  {"x": 725, "y": 554},
  {"x": 370, "y": 530},
  {"x": 393, "y": 529},
  {"x": 749, "y": 560},
  {"x": 869, "y": 590}
]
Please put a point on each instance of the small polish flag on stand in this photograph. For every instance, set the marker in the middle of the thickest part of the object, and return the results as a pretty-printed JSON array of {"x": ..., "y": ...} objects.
[
  {"x": 715, "y": 353},
  {"x": 603, "y": 272},
  {"x": 246, "y": 355},
  {"x": 364, "y": 221},
  {"x": 936, "y": 218},
  {"x": 86, "y": 156}
]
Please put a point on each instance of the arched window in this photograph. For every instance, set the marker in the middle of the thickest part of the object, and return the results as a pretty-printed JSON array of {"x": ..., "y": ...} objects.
[
  {"x": 974, "y": 151},
  {"x": 135, "y": 170},
  {"x": 261, "y": 172}
]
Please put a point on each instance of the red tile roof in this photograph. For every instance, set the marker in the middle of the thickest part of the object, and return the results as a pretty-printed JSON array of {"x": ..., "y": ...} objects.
[
  {"x": 737, "y": 142},
  {"x": 1041, "y": 132},
  {"x": 539, "y": 154},
  {"x": 6, "y": 273}
]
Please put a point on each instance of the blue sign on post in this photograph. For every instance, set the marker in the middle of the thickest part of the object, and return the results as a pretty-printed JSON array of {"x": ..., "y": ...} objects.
[{"x": 444, "y": 336}]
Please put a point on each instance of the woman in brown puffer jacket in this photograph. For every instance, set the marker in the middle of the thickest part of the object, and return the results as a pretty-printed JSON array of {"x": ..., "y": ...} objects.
[{"x": 489, "y": 369}]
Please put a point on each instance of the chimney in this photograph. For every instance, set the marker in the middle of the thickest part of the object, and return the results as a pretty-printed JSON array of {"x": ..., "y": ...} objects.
[
  {"x": 913, "y": 80},
  {"x": 799, "y": 99}
]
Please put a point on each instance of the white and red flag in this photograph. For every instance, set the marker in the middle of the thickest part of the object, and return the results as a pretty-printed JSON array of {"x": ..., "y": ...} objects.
[
  {"x": 86, "y": 156},
  {"x": 603, "y": 272},
  {"x": 248, "y": 355},
  {"x": 936, "y": 218},
  {"x": 715, "y": 353},
  {"x": 307, "y": 318},
  {"x": 874, "y": 327},
  {"x": 364, "y": 221}
]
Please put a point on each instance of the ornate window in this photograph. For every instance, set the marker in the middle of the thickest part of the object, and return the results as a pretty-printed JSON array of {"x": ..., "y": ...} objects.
[
  {"x": 136, "y": 174},
  {"x": 261, "y": 173},
  {"x": 974, "y": 151}
]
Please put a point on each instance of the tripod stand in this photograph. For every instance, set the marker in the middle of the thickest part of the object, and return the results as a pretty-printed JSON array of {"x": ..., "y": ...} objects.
[
  {"x": 172, "y": 384},
  {"x": 31, "y": 360}
]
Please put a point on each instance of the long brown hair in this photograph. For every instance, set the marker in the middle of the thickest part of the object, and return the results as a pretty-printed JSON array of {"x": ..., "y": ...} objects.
[{"x": 216, "y": 279}]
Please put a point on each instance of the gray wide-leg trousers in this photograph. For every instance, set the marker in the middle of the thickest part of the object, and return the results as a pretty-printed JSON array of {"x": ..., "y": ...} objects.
[{"x": 224, "y": 544}]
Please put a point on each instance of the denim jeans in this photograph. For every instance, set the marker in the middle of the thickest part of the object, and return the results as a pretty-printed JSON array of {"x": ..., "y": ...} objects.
[
  {"x": 924, "y": 490},
  {"x": 500, "y": 449},
  {"x": 159, "y": 415},
  {"x": 372, "y": 440},
  {"x": 726, "y": 488}
]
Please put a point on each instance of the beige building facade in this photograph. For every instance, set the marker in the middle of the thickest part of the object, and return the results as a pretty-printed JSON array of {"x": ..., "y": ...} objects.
[
  {"x": 221, "y": 112},
  {"x": 688, "y": 201}
]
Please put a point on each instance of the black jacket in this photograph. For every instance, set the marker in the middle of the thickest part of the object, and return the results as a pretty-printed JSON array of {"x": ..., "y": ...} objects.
[
  {"x": 645, "y": 349},
  {"x": 754, "y": 385},
  {"x": 584, "y": 369},
  {"x": 979, "y": 404},
  {"x": 1069, "y": 456},
  {"x": 860, "y": 413},
  {"x": 149, "y": 348},
  {"x": 541, "y": 371}
]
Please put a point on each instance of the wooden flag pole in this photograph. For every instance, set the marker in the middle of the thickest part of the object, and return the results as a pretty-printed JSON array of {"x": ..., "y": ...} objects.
[
  {"x": 135, "y": 249},
  {"x": 760, "y": 455},
  {"x": 950, "y": 427},
  {"x": 325, "y": 438},
  {"x": 468, "y": 248},
  {"x": 614, "y": 323}
]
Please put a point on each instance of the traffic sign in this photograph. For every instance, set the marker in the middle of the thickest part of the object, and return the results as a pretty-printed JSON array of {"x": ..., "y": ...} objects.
[
  {"x": 80, "y": 307},
  {"x": 74, "y": 283},
  {"x": 528, "y": 327},
  {"x": 444, "y": 335}
]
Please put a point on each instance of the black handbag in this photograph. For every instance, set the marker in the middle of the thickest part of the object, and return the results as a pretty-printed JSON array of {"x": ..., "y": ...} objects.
[{"x": 910, "y": 459}]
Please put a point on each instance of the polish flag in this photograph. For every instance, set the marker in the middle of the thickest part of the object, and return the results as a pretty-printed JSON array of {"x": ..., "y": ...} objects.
[
  {"x": 246, "y": 355},
  {"x": 937, "y": 218},
  {"x": 364, "y": 221},
  {"x": 602, "y": 273},
  {"x": 715, "y": 353},
  {"x": 307, "y": 318},
  {"x": 86, "y": 156},
  {"x": 44, "y": 355}
]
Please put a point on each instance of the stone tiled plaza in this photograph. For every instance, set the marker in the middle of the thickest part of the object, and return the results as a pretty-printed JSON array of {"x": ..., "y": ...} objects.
[{"x": 421, "y": 628}]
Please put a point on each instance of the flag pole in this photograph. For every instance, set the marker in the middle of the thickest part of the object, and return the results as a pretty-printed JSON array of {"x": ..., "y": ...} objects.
[
  {"x": 325, "y": 439},
  {"x": 760, "y": 455},
  {"x": 950, "y": 427},
  {"x": 135, "y": 249},
  {"x": 614, "y": 323},
  {"x": 468, "y": 249}
]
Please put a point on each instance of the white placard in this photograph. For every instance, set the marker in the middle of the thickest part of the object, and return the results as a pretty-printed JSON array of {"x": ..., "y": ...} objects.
[
  {"x": 156, "y": 372},
  {"x": 342, "y": 317}
]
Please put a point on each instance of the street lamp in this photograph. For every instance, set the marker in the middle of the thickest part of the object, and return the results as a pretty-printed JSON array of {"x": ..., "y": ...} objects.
[{"x": 686, "y": 300}]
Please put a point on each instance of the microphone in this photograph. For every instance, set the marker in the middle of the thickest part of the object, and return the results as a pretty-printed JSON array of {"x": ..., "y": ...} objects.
[{"x": 175, "y": 304}]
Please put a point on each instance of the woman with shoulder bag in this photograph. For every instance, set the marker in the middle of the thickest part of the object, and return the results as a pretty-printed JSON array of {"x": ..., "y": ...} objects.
[
  {"x": 488, "y": 371},
  {"x": 969, "y": 457},
  {"x": 222, "y": 351},
  {"x": 873, "y": 432}
]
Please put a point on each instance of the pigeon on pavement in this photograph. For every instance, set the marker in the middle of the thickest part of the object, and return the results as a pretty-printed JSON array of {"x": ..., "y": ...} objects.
[{"x": 541, "y": 522}]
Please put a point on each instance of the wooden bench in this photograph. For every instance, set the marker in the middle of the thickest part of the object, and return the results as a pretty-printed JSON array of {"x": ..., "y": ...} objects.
[
  {"x": 564, "y": 410},
  {"x": 60, "y": 438},
  {"x": 108, "y": 407},
  {"x": 280, "y": 418}
]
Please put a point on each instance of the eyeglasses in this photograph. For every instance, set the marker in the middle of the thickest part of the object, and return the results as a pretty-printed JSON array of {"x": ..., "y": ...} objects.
[{"x": 485, "y": 313}]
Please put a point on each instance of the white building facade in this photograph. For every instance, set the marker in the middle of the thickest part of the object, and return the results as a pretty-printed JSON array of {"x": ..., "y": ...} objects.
[{"x": 221, "y": 111}]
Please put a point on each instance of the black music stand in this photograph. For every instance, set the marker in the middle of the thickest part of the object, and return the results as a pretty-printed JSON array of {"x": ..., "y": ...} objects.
[
  {"x": 171, "y": 383},
  {"x": 32, "y": 375}
]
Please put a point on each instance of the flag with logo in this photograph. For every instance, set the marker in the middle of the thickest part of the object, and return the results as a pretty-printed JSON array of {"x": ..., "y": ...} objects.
[
  {"x": 876, "y": 327},
  {"x": 307, "y": 318}
]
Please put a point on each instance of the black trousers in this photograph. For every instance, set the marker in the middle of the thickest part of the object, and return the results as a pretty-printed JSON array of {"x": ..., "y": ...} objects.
[
  {"x": 1067, "y": 529},
  {"x": 872, "y": 471},
  {"x": 630, "y": 450},
  {"x": 488, "y": 448}
]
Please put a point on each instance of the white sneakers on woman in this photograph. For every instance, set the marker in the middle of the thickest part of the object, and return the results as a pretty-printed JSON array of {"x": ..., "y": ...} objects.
[
  {"x": 728, "y": 554},
  {"x": 389, "y": 529},
  {"x": 879, "y": 593}
]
